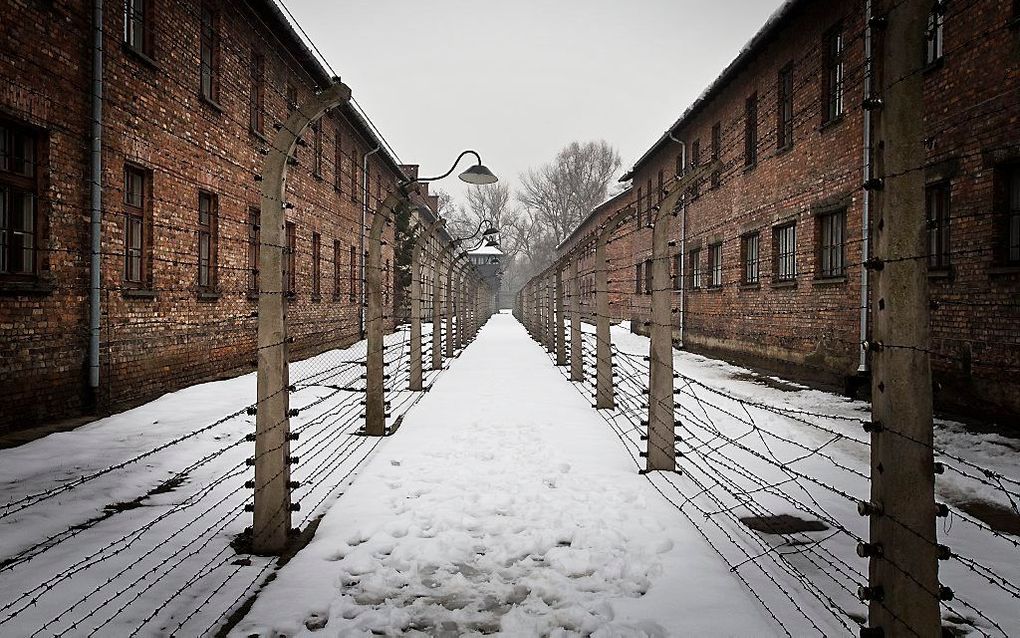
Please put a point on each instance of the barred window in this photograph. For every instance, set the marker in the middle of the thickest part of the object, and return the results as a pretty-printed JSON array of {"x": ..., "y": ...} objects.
[
  {"x": 352, "y": 290},
  {"x": 832, "y": 244},
  {"x": 136, "y": 222},
  {"x": 257, "y": 94},
  {"x": 695, "y": 261},
  {"x": 209, "y": 54},
  {"x": 715, "y": 264},
  {"x": 751, "y": 130},
  {"x": 638, "y": 278},
  {"x": 749, "y": 245},
  {"x": 716, "y": 152},
  {"x": 832, "y": 102},
  {"x": 784, "y": 242},
  {"x": 784, "y": 126},
  {"x": 254, "y": 239},
  {"x": 936, "y": 199},
  {"x": 648, "y": 276},
  {"x": 337, "y": 254},
  {"x": 19, "y": 206},
  {"x": 317, "y": 148},
  {"x": 316, "y": 266},
  {"x": 290, "y": 261},
  {"x": 207, "y": 240}
]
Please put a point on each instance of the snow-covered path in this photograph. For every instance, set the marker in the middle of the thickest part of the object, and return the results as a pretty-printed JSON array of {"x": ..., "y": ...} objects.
[{"x": 504, "y": 504}]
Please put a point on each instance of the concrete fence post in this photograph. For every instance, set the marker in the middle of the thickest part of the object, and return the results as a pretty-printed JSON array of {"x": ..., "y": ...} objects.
[
  {"x": 605, "y": 397},
  {"x": 903, "y": 592},
  {"x": 417, "y": 271},
  {"x": 375, "y": 399},
  {"x": 561, "y": 327},
  {"x": 272, "y": 506},
  {"x": 448, "y": 308},
  {"x": 437, "y": 306},
  {"x": 576, "y": 342}
]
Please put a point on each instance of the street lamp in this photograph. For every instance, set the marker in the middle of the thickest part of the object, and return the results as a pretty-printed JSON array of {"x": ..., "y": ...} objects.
[{"x": 478, "y": 174}]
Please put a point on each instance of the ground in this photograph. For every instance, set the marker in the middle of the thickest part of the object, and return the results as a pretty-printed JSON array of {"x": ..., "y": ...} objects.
[{"x": 503, "y": 504}]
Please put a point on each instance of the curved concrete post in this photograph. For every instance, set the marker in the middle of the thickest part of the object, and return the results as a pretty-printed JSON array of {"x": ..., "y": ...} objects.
[
  {"x": 375, "y": 401},
  {"x": 576, "y": 345},
  {"x": 437, "y": 306},
  {"x": 272, "y": 426},
  {"x": 415, "y": 378}
]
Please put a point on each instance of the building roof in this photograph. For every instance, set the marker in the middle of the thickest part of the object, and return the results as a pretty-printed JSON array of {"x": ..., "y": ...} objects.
[
  {"x": 594, "y": 212},
  {"x": 778, "y": 18},
  {"x": 280, "y": 26}
]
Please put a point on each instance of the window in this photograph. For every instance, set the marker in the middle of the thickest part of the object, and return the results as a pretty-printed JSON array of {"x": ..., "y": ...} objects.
[
  {"x": 679, "y": 164},
  {"x": 831, "y": 244},
  {"x": 784, "y": 125},
  {"x": 354, "y": 175},
  {"x": 337, "y": 254},
  {"x": 832, "y": 89},
  {"x": 209, "y": 56},
  {"x": 695, "y": 260},
  {"x": 207, "y": 240},
  {"x": 716, "y": 152},
  {"x": 291, "y": 94},
  {"x": 784, "y": 243},
  {"x": 677, "y": 279},
  {"x": 19, "y": 209},
  {"x": 338, "y": 163},
  {"x": 138, "y": 26},
  {"x": 715, "y": 265},
  {"x": 648, "y": 276},
  {"x": 386, "y": 284},
  {"x": 317, "y": 147},
  {"x": 136, "y": 205},
  {"x": 751, "y": 130},
  {"x": 257, "y": 95},
  {"x": 658, "y": 197},
  {"x": 651, "y": 201},
  {"x": 638, "y": 278},
  {"x": 640, "y": 203},
  {"x": 934, "y": 32},
  {"x": 1007, "y": 203},
  {"x": 254, "y": 239},
  {"x": 352, "y": 291},
  {"x": 749, "y": 257},
  {"x": 290, "y": 261},
  {"x": 316, "y": 266},
  {"x": 936, "y": 204}
]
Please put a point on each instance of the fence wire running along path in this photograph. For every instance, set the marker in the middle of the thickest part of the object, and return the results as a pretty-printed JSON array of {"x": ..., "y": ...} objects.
[{"x": 135, "y": 524}]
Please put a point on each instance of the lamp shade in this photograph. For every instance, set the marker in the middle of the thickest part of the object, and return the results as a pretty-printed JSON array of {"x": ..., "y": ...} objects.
[{"x": 478, "y": 175}]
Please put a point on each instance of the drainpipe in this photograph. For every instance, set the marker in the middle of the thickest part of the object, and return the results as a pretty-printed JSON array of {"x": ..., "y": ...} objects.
[
  {"x": 866, "y": 195},
  {"x": 96, "y": 192},
  {"x": 361, "y": 241},
  {"x": 683, "y": 236}
]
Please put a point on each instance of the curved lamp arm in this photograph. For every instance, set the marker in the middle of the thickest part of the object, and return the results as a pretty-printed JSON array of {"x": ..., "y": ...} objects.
[
  {"x": 452, "y": 168},
  {"x": 483, "y": 222}
]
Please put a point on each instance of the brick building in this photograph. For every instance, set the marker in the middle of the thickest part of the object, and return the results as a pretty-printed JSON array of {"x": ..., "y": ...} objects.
[
  {"x": 769, "y": 249},
  {"x": 191, "y": 94}
]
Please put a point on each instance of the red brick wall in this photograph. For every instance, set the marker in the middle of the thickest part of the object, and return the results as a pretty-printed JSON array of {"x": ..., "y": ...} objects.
[{"x": 154, "y": 118}]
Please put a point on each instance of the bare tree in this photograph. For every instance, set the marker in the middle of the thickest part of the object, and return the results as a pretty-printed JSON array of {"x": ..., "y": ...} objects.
[{"x": 558, "y": 195}]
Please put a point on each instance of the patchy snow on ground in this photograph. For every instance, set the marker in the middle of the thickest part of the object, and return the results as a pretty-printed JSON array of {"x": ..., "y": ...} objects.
[
  {"x": 504, "y": 506},
  {"x": 123, "y": 527}
]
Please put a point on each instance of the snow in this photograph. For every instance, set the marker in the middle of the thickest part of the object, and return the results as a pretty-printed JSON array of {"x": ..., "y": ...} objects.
[{"x": 504, "y": 505}]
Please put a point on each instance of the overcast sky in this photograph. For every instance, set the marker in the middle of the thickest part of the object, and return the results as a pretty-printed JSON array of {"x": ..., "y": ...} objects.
[{"x": 517, "y": 80}]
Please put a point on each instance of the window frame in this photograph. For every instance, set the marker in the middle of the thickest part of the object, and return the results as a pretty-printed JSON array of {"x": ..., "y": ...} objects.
[
  {"x": 784, "y": 253},
  {"x": 143, "y": 46},
  {"x": 317, "y": 149},
  {"x": 716, "y": 152},
  {"x": 257, "y": 94},
  {"x": 697, "y": 274},
  {"x": 938, "y": 210},
  {"x": 715, "y": 262},
  {"x": 316, "y": 266},
  {"x": 751, "y": 131},
  {"x": 209, "y": 47},
  {"x": 139, "y": 214},
  {"x": 832, "y": 258},
  {"x": 352, "y": 290},
  {"x": 934, "y": 34},
  {"x": 750, "y": 258},
  {"x": 784, "y": 110},
  {"x": 27, "y": 183},
  {"x": 638, "y": 277},
  {"x": 207, "y": 230},
  {"x": 648, "y": 277},
  {"x": 833, "y": 74}
]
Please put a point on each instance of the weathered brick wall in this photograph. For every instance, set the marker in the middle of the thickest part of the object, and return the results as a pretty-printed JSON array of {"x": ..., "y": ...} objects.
[
  {"x": 155, "y": 118},
  {"x": 972, "y": 127}
]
